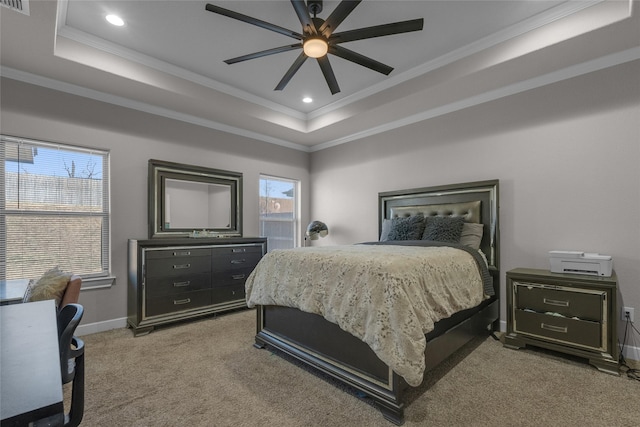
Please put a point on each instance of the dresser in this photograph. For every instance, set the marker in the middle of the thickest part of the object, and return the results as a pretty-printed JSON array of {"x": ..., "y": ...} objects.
[
  {"x": 173, "y": 279},
  {"x": 570, "y": 313}
]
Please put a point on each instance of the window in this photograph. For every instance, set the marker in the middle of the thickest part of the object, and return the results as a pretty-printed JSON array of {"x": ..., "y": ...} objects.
[
  {"x": 279, "y": 212},
  {"x": 54, "y": 210}
]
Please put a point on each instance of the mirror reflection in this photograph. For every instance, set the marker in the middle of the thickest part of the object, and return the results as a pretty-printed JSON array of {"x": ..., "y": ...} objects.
[{"x": 209, "y": 205}]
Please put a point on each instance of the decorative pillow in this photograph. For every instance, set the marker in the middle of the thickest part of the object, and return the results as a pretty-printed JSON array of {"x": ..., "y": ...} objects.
[
  {"x": 386, "y": 227},
  {"x": 51, "y": 285},
  {"x": 443, "y": 228},
  {"x": 407, "y": 228},
  {"x": 471, "y": 235}
]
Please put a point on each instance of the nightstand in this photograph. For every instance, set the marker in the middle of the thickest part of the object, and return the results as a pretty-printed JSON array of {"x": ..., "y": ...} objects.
[{"x": 570, "y": 313}]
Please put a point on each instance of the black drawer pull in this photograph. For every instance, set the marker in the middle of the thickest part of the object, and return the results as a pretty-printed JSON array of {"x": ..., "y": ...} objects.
[
  {"x": 562, "y": 329},
  {"x": 181, "y": 284},
  {"x": 182, "y": 253},
  {"x": 179, "y": 266},
  {"x": 237, "y": 276},
  {"x": 181, "y": 301},
  {"x": 238, "y": 250},
  {"x": 238, "y": 261},
  {"x": 556, "y": 302}
]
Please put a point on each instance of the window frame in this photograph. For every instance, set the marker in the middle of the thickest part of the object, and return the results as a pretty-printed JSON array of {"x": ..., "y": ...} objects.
[
  {"x": 296, "y": 208},
  {"x": 103, "y": 279}
]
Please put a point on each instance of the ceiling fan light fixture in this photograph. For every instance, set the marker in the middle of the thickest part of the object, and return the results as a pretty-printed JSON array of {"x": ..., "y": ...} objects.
[{"x": 315, "y": 47}]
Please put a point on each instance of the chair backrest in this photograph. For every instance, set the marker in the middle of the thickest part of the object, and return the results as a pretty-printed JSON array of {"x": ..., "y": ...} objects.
[
  {"x": 69, "y": 317},
  {"x": 72, "y": 291}
]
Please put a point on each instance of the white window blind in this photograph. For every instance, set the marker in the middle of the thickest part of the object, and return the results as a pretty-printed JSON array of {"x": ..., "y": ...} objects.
[{"x": 54, "y": 209}]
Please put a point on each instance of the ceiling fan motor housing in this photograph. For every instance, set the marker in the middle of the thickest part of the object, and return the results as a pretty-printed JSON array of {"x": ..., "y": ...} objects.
[{"x": 314, "y": 7}]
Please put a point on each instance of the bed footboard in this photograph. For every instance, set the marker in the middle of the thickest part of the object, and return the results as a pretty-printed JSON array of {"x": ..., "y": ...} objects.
[{"x": 325, "y": 347}]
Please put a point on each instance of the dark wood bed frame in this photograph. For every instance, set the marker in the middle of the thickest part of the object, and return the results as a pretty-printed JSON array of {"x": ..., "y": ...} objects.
[{"x": 324, "y": 346}]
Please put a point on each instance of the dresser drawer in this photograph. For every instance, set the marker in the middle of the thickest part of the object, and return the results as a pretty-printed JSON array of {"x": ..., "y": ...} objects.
[
  {"x": 171, "y": 285},
  {"x": 563, "y": 329},
  {"x": 179, "y": 302},
  {"x": 228, "y": 293},
  {"x": 177, "y": 253},
  {"x": 178, "y": 266},
  {"x": 231, "y": 277},
  {"x": 246, "y": 257},
  {"x": 570, "y": 302}
]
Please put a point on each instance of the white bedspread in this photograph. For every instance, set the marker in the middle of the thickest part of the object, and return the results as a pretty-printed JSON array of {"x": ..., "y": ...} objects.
[{"x": 388, "y": 296}]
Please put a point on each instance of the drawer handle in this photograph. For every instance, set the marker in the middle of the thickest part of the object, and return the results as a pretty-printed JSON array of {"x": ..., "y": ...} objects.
[
  {"x": 179, "y": 266},
  {"x": 561, "y": 329},
  {"x": 181, "y": 301},
  {"x": 238, "y": 261},
  {"x": 556, "y": 302},
  {"x": 237, "y": 276},
  {"x": 182, "y": 253},
  {"x": 181, "y": 284},
  {"x": 238, "y": 250}
]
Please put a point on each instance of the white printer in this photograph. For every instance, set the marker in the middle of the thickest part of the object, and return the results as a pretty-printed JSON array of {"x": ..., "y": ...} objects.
[{"x": 576, "y": 262}]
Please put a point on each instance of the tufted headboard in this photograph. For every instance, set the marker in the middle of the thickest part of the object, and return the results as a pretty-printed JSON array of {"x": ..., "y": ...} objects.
[
  {"x": 470, "y": 211},
  {"x": 477, "y": 202}
]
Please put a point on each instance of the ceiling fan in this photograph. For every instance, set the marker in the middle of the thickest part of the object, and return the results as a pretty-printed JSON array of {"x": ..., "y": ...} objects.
[{"x": 318, "y": 38}]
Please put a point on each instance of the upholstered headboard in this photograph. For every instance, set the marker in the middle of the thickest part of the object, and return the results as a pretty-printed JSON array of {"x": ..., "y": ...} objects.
[
  {"x": 477, "y": 202},
  {"x": 470, "y": 211}
]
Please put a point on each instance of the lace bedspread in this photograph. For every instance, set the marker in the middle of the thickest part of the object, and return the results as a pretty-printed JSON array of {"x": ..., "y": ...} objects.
[{"x": 387, "y": 296}]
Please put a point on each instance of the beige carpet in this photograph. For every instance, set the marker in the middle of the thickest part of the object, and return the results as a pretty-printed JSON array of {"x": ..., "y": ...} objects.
[{"x": 206, "y": 373}]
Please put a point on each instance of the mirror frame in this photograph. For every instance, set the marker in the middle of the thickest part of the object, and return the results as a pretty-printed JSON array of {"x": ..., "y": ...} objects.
[{"x": 160, "y": 170}]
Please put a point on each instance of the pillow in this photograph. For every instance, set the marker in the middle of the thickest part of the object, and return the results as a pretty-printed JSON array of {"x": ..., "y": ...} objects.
[
  {"x": 386, "y": 227},
  {"x": 406, "y": 228},
  {"x": 51, "y": 285},
  {"x": 471, "y": 235},
  {"x": 443, "y": 228}
]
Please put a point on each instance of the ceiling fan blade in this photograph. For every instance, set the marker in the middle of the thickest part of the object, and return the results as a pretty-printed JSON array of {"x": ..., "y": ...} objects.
[
  {"x": 338, "y": 15},
  {"x": 378, "y": 31},
  {"x": 253, "y": 21},
  {"x": 365, "y": 61},
  {"x": 329, "y": 76},
  {"x": 291, "y": 71},
  {"x": 263, "y": 53},
  {"x": 303, "y": 14}
]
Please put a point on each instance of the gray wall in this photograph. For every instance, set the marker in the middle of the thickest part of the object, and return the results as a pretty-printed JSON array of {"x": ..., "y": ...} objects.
[
  {"x": 567, "y": 157},
  {"x": 133, "y": 138}
]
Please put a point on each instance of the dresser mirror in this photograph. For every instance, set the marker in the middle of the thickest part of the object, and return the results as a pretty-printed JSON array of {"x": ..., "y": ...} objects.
[{"x": 193, "y": 201}]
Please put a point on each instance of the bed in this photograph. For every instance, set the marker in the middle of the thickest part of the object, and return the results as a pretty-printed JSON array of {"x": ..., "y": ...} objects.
[{"x": 360, "y": 357}]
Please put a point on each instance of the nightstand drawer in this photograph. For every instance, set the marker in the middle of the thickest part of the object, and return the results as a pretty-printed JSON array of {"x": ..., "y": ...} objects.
[
  {"x": 563, "y": 329},
  {"x": 570, "y": 302}
]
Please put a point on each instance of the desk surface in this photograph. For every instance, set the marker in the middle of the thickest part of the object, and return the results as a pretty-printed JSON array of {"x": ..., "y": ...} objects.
[
  {"x": 31, "y": 386},
  {"x": 12, "y": 291}
]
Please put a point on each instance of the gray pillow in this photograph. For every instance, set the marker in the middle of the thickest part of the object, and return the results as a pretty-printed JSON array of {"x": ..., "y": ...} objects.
[
  {"x": 472, "y": 235},
  {"x": 386, "y": 227},
  {"x": 443, "y": 228},
  {"x": 406, "y": 228}
]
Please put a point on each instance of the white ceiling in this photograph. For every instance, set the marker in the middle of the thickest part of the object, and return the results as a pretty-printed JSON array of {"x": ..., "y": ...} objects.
[{"x": 168, "y": 60}]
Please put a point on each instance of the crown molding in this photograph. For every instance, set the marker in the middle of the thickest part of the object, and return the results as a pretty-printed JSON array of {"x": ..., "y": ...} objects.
[
  {"x": 141, "y": 106},
  {"x": 536, "y": 82}
]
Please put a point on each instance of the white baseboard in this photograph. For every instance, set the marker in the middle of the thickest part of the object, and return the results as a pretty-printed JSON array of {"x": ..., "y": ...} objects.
[
  {"x": 629, "y": 352},
  {"x": 107, "y": 325}
]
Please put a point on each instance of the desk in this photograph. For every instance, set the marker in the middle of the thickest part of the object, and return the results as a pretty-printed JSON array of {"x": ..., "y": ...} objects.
[
  {"x": 31, "y": 383},
  {"x": 12, "y": 291}
]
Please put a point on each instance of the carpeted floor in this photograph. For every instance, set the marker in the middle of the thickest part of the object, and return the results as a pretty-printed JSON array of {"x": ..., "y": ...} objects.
[{"x": 207, "y": 373}]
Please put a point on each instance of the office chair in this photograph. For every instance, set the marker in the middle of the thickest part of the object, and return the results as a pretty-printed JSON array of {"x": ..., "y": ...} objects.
[{"x": 72, "y": 360}]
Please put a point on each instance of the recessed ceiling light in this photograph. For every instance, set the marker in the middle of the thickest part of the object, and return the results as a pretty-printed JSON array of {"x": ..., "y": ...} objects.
[
  {"x": 307, "y": 100},
  {"x": 115, "y": 20}
]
